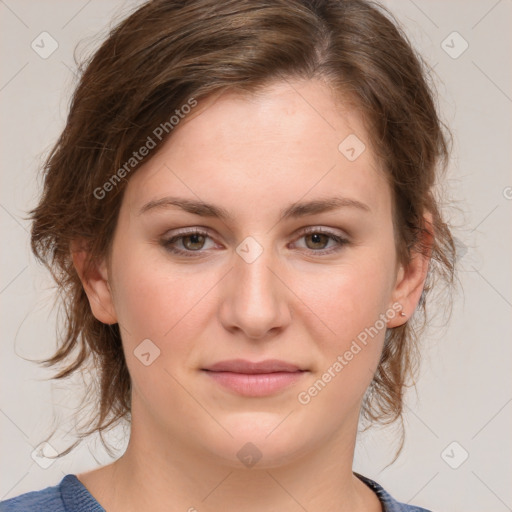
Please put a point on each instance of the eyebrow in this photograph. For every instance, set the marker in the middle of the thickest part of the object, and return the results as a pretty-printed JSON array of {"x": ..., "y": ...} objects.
[{"x": 295, "y": 210}]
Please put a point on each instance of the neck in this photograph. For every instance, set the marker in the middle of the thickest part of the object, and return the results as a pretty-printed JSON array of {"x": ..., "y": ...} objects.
[{"x": 160, "y": 473}]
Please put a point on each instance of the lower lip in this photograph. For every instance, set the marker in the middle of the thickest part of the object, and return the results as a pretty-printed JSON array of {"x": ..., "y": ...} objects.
[{"x": 257, "y": 384}]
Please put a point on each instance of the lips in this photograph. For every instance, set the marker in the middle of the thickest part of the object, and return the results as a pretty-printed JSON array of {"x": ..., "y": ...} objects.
[
  {"x": 248, "y": 367},
  {"x": 254, "y": 379}
]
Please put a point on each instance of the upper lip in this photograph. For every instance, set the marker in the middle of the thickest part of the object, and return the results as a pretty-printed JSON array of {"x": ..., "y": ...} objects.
[{"x": 251, "y": 367}]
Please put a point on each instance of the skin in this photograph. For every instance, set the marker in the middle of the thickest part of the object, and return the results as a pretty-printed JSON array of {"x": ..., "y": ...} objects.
[{"x": 252, "y": 155}]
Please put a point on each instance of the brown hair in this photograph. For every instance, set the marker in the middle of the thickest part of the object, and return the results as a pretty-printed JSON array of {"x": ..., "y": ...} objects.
[{"x": 168, "y": 52}]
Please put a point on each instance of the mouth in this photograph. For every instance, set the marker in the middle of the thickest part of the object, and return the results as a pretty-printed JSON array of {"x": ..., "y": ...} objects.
[{"x": 254, "y": 379}]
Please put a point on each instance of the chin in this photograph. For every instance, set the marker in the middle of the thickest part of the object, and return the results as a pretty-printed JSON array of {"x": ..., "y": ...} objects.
[{"x": 262, "y": 441}]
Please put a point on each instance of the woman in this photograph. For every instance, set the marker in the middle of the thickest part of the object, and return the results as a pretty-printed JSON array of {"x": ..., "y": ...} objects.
[{"x": 240, "y": 212}]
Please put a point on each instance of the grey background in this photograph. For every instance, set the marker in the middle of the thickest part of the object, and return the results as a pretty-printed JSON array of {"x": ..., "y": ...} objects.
[{"x": 464, "y": 392}]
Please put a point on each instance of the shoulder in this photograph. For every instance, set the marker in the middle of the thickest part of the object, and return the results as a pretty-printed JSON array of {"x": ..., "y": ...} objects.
[
  {"x": 389, "y": 504},
  {"x": 68, "y": 496},
  {"x": 43, "y": 500}
]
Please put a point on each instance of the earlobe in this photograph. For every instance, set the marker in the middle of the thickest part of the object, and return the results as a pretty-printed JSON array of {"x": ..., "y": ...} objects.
[
  {"x": 411, "y": 278},
  {"x": 94, "y": 278}
]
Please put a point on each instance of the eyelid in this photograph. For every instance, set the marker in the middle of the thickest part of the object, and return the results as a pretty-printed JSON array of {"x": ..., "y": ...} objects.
[
  {"x": 298, "y": 233},
  {"x": 322, "y": 229}
]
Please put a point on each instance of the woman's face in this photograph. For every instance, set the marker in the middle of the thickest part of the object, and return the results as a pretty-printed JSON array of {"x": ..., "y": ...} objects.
[{"x": 279, "y": 278}]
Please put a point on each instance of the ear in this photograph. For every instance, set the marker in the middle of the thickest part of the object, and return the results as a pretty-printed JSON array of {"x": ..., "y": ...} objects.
[
  {"x": 410, "y": 279},
  {"x": 95, "y": 282}
]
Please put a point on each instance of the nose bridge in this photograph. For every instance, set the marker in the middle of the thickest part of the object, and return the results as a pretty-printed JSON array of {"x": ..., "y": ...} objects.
[
  {"x": 257, "y": 301},
  {"x": 256, "y": 282}
]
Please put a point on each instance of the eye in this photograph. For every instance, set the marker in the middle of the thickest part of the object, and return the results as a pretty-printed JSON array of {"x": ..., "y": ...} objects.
[
  {"x": 193, "y": 242},
  {"x": 317, "y": 238}
]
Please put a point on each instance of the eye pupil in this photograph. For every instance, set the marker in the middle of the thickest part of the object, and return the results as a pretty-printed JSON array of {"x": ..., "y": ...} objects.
[
  {"x": 194, "y": 237},
  {"x": 317, "y": 239}
]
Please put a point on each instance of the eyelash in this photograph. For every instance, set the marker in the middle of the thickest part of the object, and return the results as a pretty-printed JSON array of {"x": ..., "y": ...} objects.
[{"x": 167, "y": 243}]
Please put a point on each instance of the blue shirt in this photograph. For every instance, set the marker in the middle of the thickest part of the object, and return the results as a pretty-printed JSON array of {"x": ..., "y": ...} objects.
[{"x": 70, "y": 495}]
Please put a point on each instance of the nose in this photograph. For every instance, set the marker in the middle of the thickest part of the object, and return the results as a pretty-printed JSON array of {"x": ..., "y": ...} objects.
[{"x": 255, "y": 297}]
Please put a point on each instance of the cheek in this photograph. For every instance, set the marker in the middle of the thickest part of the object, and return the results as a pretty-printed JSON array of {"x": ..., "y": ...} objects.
[
  {"x": 158, "y": 303},
  {"x": 350, "y": 297},
  {"x": 351, "y": 306},
  {"x": 156, "y": 300},
  {"x": 148, "y": 300},
  {"x": 350, "y": 354}
]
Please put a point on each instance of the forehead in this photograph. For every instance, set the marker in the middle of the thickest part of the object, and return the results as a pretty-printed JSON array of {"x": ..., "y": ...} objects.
[
  {"x": 276, "y": 146},
  {"x": 303, "y": 113}
]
